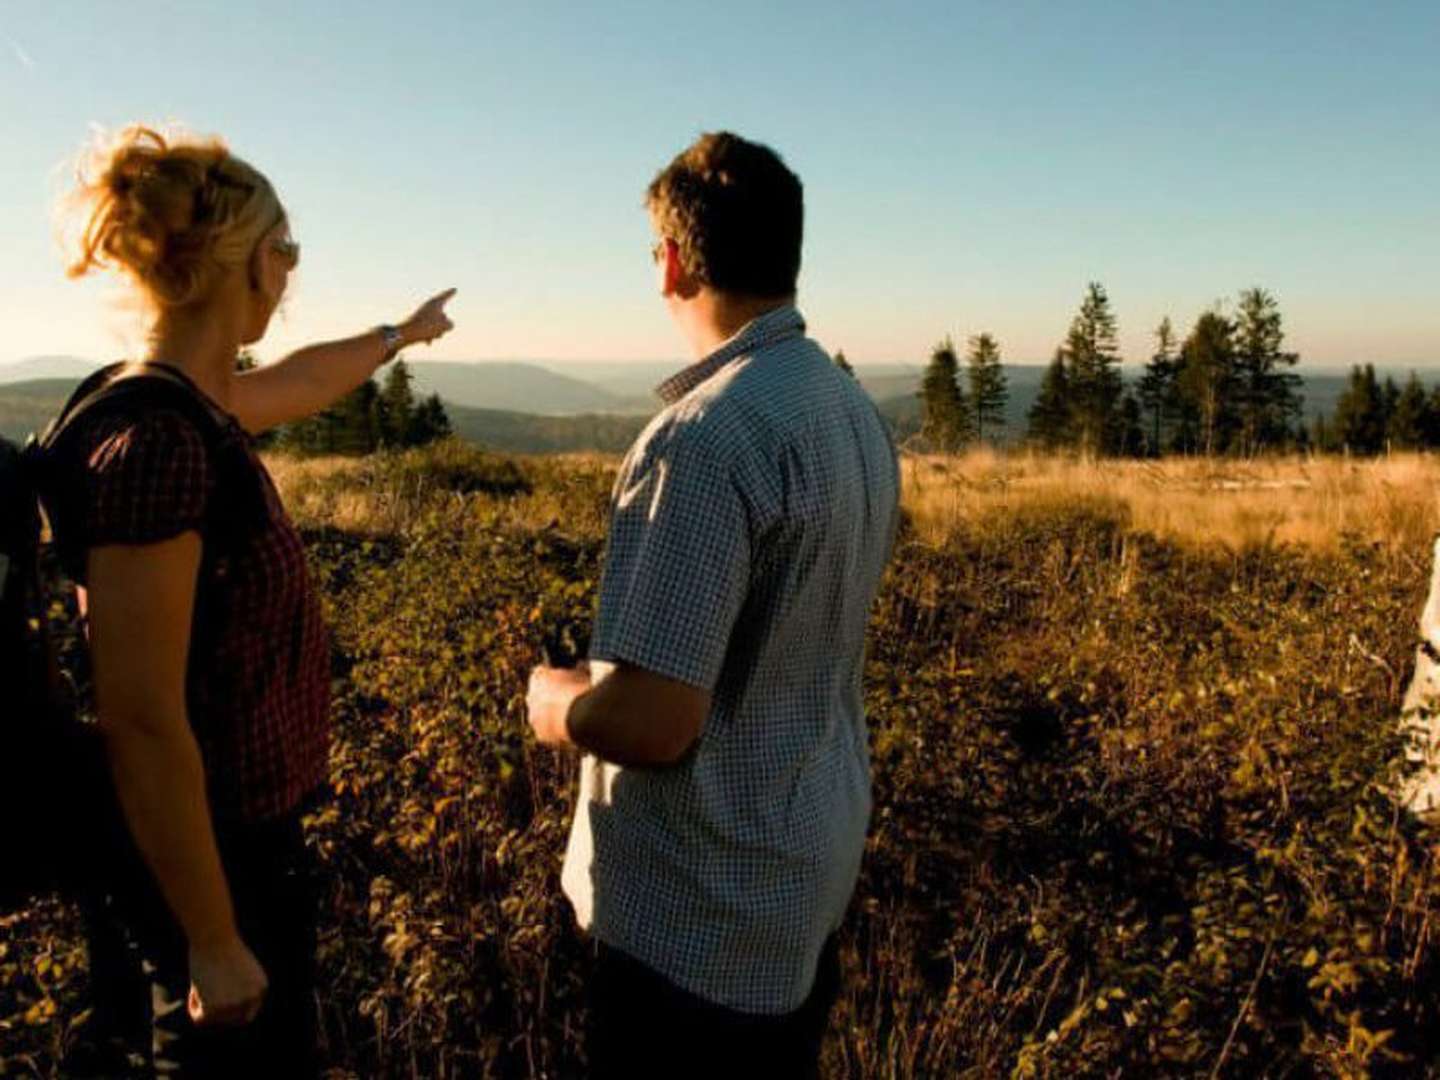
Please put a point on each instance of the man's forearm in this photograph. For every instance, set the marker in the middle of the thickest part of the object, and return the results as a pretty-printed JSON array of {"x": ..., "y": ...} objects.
[{"x": 618, "y": 724}]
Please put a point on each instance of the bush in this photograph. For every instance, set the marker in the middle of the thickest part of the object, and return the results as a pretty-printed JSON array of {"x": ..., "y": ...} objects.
[{"x": 1130, "y": 798}]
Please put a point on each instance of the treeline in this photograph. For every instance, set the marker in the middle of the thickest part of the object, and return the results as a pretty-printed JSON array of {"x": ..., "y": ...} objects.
[
  {"x": 1228, "y": 388},
  {"x": 1372, "y": 417},
  {"x": 370, "y": 418}
]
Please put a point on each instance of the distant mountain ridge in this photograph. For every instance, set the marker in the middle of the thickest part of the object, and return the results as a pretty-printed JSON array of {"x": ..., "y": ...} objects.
[
  {"x": 521, "y": 387},
  {"x": 32, "y": 368},
  {"x": 535, "y": 408}
]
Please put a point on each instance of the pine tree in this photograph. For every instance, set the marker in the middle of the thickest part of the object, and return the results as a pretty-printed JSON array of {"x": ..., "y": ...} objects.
[
  {"x": 1359, "y": 424},
  {"x": 988, "y": 389},
  {"x": 1267, "y": 393},
  {"x": 1157, "y": 386},
  {"x": 1093, "y": 358},
  {"x": 1049, "y": 418},
  {"x": 1132, "y": 429},
  {"x": 1431, "y": 427},
  {"x": 1206, "y": 378},
  {"x": 431, "y": 422},
  {"x": 357, "y": 427},
  {"x": 1407, "y": 429},
  {"x": 943, "y": 409},
  {"x": 1389, "y": 400},
  {"x": 843, "y": 364},
  {"x": 397, "y": 405}
]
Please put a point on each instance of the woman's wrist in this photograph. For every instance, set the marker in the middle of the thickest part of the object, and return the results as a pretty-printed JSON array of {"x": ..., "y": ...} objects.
[{"x": 392, "y": 340}]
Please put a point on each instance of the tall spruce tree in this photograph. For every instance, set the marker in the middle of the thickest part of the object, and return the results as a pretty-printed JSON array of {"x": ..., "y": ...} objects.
[
  {"x": 1132, "y": 426},
  {"x": 1431, "y": 437},
  {"x": 358, "y": 423},
  {"x": 945, "y": 421},
  {"x": 1049, "y": 417},
  {"x": 1093, "y": 358},
  {"x": 843, "y": 364},
  {"x": 1389, "y": 401},
  {"x": 1409, "y": 420},
  {"x": 397, "y": 405},
  {"x": 431, "y": 422},
  {"x": 989, "y": 391},
  {"x": 1206, "y": 378},
  {"x": 1157, "y": 387},
  {"x": 1267, "y": 392},
  {"x": 1360, "y": 421}
]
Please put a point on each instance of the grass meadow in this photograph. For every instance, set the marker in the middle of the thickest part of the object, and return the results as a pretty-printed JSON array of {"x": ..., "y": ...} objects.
[{"x": 1133, "y": 734}]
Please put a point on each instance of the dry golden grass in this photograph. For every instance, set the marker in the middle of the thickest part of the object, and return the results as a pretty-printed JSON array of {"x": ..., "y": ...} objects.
[
  {"x": 1309, "y": 502},
  {"x": 391, "y": 494}
]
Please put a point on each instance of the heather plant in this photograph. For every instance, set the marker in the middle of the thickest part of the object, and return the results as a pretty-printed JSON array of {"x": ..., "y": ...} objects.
[{"x": 1131, "y": 787}]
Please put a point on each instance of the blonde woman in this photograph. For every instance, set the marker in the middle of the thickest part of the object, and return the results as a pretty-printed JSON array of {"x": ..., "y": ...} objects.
[{"x": 211, "y": 664}]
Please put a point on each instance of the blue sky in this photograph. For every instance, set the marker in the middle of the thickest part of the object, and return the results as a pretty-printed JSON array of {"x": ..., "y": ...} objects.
[{"x": 967, "y": 166}]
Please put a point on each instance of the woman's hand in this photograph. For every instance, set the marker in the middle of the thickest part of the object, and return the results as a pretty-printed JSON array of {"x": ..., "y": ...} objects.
[
  {"x": 227, "y": 985},
  {"x": 429, "y": 321},
  {"x": 317, "y": 376}
]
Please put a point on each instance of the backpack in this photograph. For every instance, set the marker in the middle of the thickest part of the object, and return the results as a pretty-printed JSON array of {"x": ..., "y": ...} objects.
[{"x": 62, "y": 826}]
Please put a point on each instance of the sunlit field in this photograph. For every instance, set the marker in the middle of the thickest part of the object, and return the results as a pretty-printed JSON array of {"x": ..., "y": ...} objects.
[
  {"x": 1316, "y": 503},
  {"x": 1133, "y": 730}
]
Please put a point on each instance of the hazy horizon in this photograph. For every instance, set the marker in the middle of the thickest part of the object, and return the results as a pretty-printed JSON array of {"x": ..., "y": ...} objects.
[{"x": 600, "y": 363}]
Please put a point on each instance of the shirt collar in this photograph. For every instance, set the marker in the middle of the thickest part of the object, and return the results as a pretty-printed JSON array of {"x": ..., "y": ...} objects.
[{"x": 774, "y": 326}]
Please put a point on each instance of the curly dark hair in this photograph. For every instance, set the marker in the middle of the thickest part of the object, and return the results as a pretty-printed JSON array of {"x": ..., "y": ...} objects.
[{"x": 736, "y": 213}]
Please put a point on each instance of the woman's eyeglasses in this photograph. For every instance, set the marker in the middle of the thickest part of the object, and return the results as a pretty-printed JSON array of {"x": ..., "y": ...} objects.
[{"x": 287, "y": 249}]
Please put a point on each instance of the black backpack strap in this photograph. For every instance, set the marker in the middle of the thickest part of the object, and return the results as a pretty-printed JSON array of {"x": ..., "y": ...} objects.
[
  {"x": 161, "y": 384},
  {"x": 228, "y": 521},
  {"x": 144, "y": 388}
]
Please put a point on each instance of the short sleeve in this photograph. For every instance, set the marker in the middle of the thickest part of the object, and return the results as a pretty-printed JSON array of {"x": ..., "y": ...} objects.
[
  {"x": 677, "y": 568},
  {"x": 146, "y": 480}
]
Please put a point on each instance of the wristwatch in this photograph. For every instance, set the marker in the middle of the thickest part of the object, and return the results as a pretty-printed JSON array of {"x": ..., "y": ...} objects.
[{"x": 392, "y": 339}]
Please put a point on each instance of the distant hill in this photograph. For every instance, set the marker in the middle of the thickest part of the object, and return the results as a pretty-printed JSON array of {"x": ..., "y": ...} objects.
[
  {"x": 523, "y": 433},
  {"x": 634, "y": 380},
  {"x": 46, "y": 367},
  {"x": 516, "y": 387},
  {"x": 553, "y": 413},
  {"x": 28, "y": 407}
]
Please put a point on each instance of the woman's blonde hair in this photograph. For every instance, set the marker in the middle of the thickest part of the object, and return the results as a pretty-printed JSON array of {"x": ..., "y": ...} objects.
[{"x": 173, "y": 211}]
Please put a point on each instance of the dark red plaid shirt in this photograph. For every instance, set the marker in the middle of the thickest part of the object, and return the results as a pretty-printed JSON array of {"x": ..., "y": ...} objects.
[{"x": 258, "y": 679}]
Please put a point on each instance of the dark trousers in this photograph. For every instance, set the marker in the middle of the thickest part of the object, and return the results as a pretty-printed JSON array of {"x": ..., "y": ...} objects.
[
  {"x": 642, "y": 1026},
  {"x": 272, "y": 887}
]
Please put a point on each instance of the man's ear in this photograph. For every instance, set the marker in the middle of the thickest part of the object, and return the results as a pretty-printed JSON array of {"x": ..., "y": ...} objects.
[{"x": 678, "y": 281}]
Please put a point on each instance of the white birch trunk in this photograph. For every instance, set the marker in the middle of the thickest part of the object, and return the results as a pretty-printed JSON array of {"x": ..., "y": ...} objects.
[{"x": 1421, "y": 712}]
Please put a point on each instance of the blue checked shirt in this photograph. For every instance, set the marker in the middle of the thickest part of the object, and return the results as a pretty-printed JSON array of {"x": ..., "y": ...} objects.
[{"x": 750, "y": 526}]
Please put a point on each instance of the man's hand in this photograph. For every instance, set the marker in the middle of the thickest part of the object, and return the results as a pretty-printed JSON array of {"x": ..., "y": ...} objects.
[
  {"x": 552, "y": 692},
  {"x": 618, "y": 712},
  {"x": 429, "y": 321},
  {"x": 227, "y": 985}
]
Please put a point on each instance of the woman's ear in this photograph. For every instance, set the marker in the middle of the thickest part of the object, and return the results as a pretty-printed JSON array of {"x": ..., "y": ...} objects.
[{"x": 256, "y": 266}]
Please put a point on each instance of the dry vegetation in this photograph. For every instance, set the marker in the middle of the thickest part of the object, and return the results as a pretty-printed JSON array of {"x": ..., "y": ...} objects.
[
  {"x": 1132, "y": 736},
  {"x": 1317, "y": 503}
]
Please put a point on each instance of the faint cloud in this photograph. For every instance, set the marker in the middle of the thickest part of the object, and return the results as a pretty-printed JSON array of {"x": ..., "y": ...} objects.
[{"x": 24, "y": 57}]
